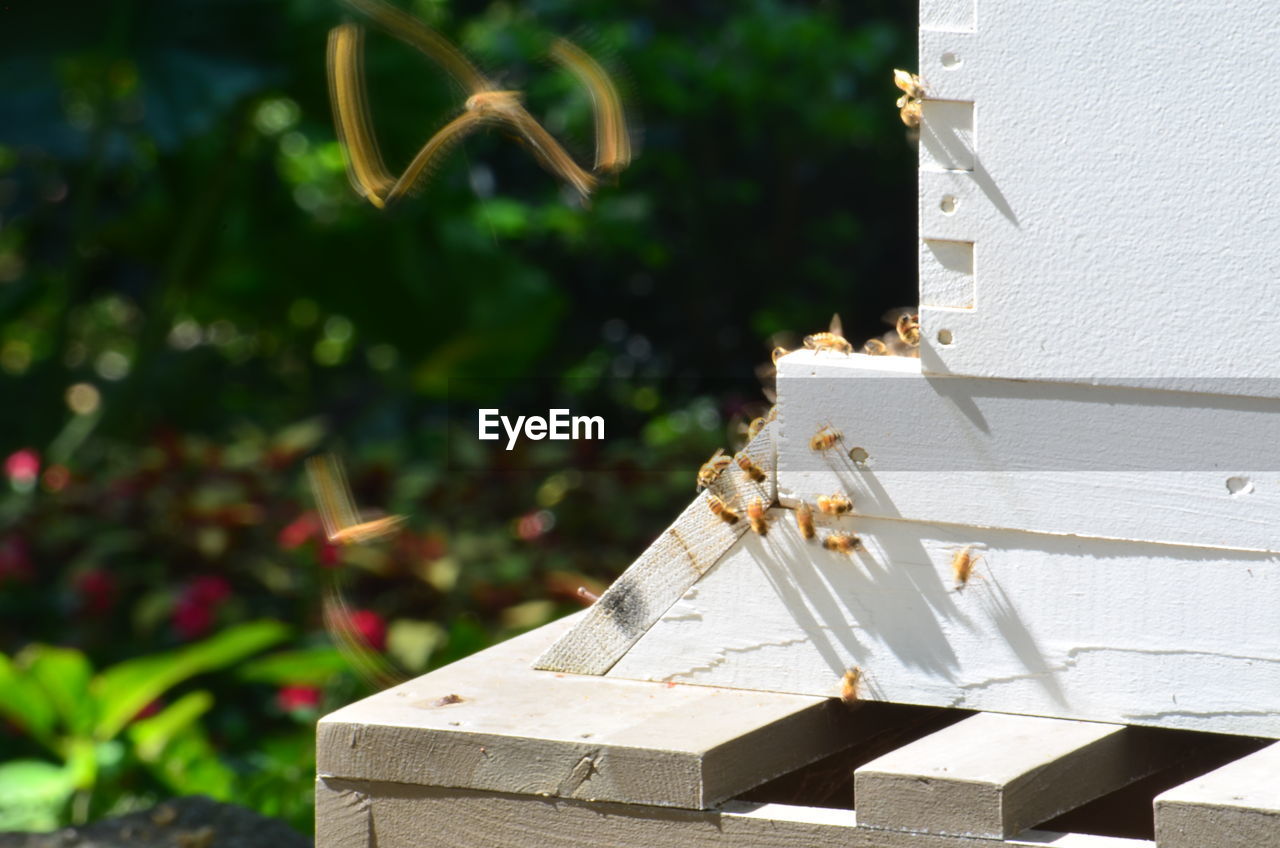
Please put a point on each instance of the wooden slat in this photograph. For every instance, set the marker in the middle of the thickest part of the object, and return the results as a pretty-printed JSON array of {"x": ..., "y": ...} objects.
[
  {"x": 673, "y": 563},
  {"x": 1056, "y": 626},
  {"x": 995, "y": 776},
  {"x": 402, "y": 816},
  {"x": 515, "y": 729},
  {"x": 1235, "y": 806}
]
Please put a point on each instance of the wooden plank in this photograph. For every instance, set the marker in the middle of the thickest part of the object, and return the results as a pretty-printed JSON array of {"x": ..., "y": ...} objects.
[
  {"x": 673, "y": 563},
  {"x": 401, "y": 815},
  {"x": 995, "y": 775},
  {"x": 1235, "y": 806},
  {"x": 1055, "y": 626},
  {"x": 492, "y": 722},
  {"x": 1048, "y": 458},
  {"x": 1131, "y": 218}
]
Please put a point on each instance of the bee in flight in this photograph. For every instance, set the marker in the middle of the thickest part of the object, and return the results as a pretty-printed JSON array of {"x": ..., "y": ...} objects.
[
  {"x": 485, "y": 105},
  {"x": 832, "y": 340},
  {"x": 804, "y": 520},
  {"x": 721, "y": 510},
  {"x": 713, "y": 468},
  {"x": 343, "y": 525}
]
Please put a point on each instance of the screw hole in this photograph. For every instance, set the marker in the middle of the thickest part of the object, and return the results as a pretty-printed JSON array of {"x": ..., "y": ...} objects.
[
  {"x": 1239, "y": 485},
  {"x": 859, "y": 455},
  {"x": 950, "y": 60},
  {"x": 948, "y": 204},
  {"x": 945, "y": 337}
]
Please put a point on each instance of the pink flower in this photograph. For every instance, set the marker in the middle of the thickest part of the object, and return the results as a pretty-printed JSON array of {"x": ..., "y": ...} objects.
[
  {"x": 328, "y": 554},
  {"x": 23, "y": 467},
  {"x": 297, "y": 532},
  {"x": 292, "y": 698},
  {"x": 97, "y": 590},
  {"x": 194, "y": 612},
  {"x": 371, "y": 628}
]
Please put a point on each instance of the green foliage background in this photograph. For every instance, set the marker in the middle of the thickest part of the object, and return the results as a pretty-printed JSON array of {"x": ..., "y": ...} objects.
[{"x": 177, "y": 231}]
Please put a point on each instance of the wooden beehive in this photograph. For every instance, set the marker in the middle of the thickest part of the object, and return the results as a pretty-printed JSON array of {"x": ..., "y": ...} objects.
[{"x": 1093, "y": 417}]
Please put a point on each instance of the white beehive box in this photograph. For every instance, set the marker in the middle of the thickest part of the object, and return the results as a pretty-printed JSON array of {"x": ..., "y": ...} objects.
[{"x": 1094, "y": 414}]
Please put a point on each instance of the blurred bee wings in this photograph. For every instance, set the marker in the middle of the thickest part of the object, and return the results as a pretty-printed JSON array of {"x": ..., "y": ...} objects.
[
  {"x": 342, "y": 524},
  {"x": 613, "y": 139}
]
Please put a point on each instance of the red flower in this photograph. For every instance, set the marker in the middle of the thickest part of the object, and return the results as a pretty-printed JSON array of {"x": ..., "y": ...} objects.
[
  {"x": 297, "y": 532},
  {"x": 23, "y": 467},
  {"x": 329, "y": 554},
  {"x": 97, "y": 590},
  {"x": 371, "y": 628},
  {"x": 292, "y": 698},
  {"x": 193, "y": 615}
]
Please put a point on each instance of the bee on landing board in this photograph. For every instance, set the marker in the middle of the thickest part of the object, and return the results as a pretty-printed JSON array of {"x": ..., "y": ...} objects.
[
  {"x": 908, "y": 328},
  {"x": 755, "y": 514},
  {"x": 851, "y": 685},
  {"x": 824, "y": 439},
  {"x": 842, "y": 543},
  {"x": 712, "y": 468},
  {"x": 962, "y": 563},
  {"x": 833, "y": 339},
  {"x": 721, "y": 510},
  {"x": 804, "y": 520},
  {"x": 834, "y": 504},
  {"x": 778, "y": 353},
  {"x": 752, "y": 470}
]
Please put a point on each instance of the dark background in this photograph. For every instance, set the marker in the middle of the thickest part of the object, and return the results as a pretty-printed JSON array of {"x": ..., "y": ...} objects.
[{"x": 178, "y": 233}]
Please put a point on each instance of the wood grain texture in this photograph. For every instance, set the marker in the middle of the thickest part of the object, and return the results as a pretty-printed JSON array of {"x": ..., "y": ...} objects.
[
  {"x": 492, "y": 722},
  {"x": 1111, "y": 246},
  {"x": 684, "y": 552},
  {"x": 1047, "y": 625},
  {"x": 1236, "y": 806},
  {"x": 1168, "y": 467},
  {"x": 995, "y": 775},
  {"x": 412, "y": 816}
]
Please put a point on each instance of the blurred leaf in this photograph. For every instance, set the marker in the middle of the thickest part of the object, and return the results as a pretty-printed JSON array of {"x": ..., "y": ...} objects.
[
  {"x": 123, "y": 690},
  {"x": 411, "y": 643},
  {"x": 151, "y": 735},
  {"x": 24, "y": 702},
  {"x": 306, "y": 667},
  {"x": 189, "y": 765},
  {"x": 64, "y": 675},
  {"x": 32, "y": 794}
]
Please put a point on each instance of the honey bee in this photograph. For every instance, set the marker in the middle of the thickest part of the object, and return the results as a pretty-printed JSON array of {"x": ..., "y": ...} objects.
[
  {"x": 756, "y": 425},
  {"x": 875, "y": 347},
  {"x": 834, "y": 504},
  {"x": 909, "y": 102},
  {"x": 962, "y": 563},
  {"x": 842, "y": 543},
  {"x": 850, "y": 685},
  {"x": 824, "y": 439},
  {"x": 721, "y": 510},
  {"x": 342, "y": 524},
  {"x": 804, "y": 520},
  {"x": 712, "y": 468},
  {"x": 833, "y": 339},
  {"x": 908, "y": 328},
  {"x": 778, "y": 353},
  {"x": 750, "y": 468},
  {"x": 755, "y": 514}
]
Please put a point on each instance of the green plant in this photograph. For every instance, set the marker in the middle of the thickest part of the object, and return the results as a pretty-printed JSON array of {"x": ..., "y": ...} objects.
[{"x": 91, "y": 723}]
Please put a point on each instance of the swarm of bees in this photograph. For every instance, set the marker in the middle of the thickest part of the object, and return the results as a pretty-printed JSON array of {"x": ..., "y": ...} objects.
[
  {"x": 485, "y": 105},
  {"x": 912, "y": 94}
]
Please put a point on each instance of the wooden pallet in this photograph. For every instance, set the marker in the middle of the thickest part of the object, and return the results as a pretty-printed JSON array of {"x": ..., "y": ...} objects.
[{"x": 490, "y": 752}]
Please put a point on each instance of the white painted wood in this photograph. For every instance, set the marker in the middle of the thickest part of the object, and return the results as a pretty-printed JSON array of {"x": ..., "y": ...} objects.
[
  {"x": 1045, "y": 457},
  {"x": 515, "y": 729},
  {"x": 995, "y": 776},
  {"x": 400, "y": 816},
  {"x": 1047, "y": 625},
  {"x": 1236, "y": 806},
  {"x": 1123, "y": 213},
  {"x": 672, "y": 564}
]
